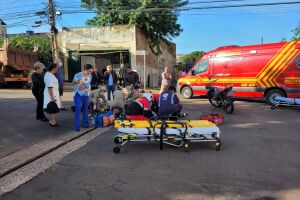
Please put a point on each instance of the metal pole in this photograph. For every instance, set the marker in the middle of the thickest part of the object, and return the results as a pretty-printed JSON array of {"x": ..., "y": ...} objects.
[
  {"x": 51, "y": 11},
  {"x": 145, "y": 70}
]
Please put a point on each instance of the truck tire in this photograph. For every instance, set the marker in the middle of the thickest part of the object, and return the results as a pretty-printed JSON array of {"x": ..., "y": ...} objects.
[
  {"x": 187, "y": 92},
  {"x": 272, "y": 94}
]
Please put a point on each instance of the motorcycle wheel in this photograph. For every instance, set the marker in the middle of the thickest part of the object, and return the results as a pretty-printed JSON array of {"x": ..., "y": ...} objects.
[
  {"x": 210, "y": 101},
  {"x": 228, "y": 105}
]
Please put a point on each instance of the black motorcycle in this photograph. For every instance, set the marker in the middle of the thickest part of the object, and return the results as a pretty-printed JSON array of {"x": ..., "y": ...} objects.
[{"x": 221, "y": 99}]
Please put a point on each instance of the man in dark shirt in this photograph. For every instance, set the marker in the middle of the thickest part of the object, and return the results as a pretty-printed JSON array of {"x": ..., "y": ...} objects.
[
  {"x": 131, "y": 82},
  {"x": 169, "y": 103},
  {"x": 96, "y": 80}
]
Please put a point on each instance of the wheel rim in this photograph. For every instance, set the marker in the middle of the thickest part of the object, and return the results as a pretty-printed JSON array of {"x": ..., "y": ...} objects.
[
  {"x": 187, "y": 92},
  {"x": 272, "y": 97}
]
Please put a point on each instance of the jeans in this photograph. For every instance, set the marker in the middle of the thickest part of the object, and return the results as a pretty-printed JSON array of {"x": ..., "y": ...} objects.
[
  {"x": 110, "y": 89},
  {"x": 81, "y": 102}
]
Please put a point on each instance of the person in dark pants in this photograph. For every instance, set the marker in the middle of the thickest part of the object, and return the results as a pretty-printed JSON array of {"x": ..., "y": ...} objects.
[
  {"x": 110, "y": 78},
  {"x": 38, "y": 87},
  {"x": 96, "y": 80},
  {"x": 169, "y": 103},
  {"x": 60, "y": 77},
  {"x": 82, "y": 89}
]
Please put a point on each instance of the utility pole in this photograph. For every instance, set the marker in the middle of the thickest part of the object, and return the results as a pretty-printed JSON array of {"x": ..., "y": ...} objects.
[{"x": 53, "y": 30}]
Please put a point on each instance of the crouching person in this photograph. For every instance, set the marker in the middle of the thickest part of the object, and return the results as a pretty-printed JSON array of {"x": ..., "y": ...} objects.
[
  {"x": 141, "y": 106},
  {"x": 118, "y": 102},
  {"x": 169, "y": 103}
]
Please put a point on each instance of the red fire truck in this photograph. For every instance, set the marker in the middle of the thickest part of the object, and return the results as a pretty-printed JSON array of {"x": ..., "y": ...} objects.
[{"x": 258, "y": 71}]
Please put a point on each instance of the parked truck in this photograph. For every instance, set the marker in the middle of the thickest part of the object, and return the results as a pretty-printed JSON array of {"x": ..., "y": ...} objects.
[
  {"x": 16, "y": 65},
  {"x": 258, "y": 71}
]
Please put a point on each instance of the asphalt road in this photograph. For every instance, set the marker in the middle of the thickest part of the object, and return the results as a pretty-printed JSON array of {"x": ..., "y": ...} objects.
[
  {"x": 19, "y": 128},
  {"x": 259, "y": 159}
]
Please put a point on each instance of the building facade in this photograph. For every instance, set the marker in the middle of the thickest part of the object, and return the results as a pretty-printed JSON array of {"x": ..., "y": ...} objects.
[
  {"x": 114, "y": 45},
  {"x": 3, "y": 29}
]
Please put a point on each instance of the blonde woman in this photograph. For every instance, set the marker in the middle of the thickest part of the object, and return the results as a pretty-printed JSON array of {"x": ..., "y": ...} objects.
[{"x": 38, "y": 87}]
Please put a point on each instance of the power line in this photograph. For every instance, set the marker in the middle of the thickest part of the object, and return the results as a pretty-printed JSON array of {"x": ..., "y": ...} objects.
[{"x": 188, "y": 8}]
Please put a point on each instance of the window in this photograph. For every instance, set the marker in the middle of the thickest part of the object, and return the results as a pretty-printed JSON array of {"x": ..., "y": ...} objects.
[{"x": 201, "y": 67}]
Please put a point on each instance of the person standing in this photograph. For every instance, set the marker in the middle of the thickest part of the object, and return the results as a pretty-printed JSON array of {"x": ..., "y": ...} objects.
[
  {"x": 110, "y": 78},
  {"x": 122, "y": 73},
  {"x": 132, "y": 84},
  {"x": 82, "y": 88},
  {"x": 51, "y": 92},
  {"x": 60, "y": 77},
  {"x": 38, "y": 87},
  {"x": 96, "y": 80},
  {"x": 166, "y": 80}
]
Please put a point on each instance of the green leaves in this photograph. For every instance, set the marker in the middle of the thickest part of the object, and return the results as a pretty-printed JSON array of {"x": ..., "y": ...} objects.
[
  {"x": 191, "y": 58},
  {"x": 296, "y": 32},
  {"x": 157, "y": 24},
  {"x": 29, "y": 42}
]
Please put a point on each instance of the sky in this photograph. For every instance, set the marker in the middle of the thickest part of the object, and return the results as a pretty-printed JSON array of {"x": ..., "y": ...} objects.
[{"x": 203, "y": 30}]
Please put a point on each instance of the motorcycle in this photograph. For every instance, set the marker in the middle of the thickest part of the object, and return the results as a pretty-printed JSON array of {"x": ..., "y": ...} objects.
[{"x": 221, "y": 99}]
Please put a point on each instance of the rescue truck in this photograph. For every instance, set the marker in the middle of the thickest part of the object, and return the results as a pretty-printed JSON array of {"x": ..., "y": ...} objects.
[{"x": 257, "y": 71}]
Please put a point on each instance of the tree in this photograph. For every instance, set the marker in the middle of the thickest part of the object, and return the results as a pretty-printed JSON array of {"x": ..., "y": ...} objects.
[
  {"x": 1, "y": 42},
  {"x": 157, "y": 24},
  {"x": 191, "y": 58},
  {"x": 296, "y": 32},
  {"x": 29, "y": 42}
]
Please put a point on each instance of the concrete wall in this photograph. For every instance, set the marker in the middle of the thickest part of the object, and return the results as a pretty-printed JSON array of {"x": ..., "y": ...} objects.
[
  {"x": 154, "y": 64},
  {"x": 99, "y": 38},
  {"x": 3, "y": 31},
  {"x": 119, "y": 38}
]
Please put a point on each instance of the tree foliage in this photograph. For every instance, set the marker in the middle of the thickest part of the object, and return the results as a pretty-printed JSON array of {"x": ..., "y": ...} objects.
[
  {"x": 156, "y": 24},
  {"x": 29, "y": 42},
  {"x": 296, "y": 32},
  {"x": 191, "y": 58},
  {"x": 1, "y": 42}
]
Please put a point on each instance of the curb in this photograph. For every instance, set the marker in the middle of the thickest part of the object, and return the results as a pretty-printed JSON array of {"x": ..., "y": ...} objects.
[{"x": 41, "y": 154}]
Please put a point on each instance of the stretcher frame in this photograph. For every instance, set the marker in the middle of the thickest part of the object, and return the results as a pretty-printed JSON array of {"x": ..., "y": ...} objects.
[
  {"x": 183, "y": 140},
  {"x": 292, "y": 104}
]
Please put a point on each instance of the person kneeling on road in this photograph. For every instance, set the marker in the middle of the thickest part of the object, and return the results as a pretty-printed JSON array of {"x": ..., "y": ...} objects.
[
  {"x": 141, "y": 106},
  {"x": 117, "y": 105},
  {"x": 169, "y": 103}
]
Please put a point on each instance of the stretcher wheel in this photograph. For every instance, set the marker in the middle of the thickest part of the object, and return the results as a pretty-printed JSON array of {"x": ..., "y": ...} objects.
[
  {"x": 117, "y": 150},
  {"x": 117, "y": 140},
  {"x": 186, "y": 147},
  {"x": 218, "y": 146}
]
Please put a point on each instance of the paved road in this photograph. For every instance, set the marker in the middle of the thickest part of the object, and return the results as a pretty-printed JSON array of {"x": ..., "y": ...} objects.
[
  {"x": 19, "y": 128},
  {"x": 259, "y": 159}
]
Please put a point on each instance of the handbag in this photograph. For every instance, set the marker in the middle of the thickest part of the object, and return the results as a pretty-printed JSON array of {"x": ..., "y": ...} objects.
[{"x": 52, "y": 108}]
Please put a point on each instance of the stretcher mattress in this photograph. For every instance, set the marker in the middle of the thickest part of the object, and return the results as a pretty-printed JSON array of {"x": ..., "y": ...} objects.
[
  {"x": 195, "y": 128},
  {"x": 152, "y": 124},
  {"x": 288, "y": 100}
]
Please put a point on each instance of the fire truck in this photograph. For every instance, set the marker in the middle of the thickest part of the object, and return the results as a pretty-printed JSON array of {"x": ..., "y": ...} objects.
[
  {"x": 257, "y": 71},
  {"x": 16, "y": 64}
]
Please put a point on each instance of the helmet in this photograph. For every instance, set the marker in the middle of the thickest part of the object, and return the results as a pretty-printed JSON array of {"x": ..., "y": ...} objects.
[{"x": 149, "y": 97}]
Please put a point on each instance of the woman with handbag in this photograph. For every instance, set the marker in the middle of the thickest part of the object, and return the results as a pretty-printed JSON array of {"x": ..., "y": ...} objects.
[
  {"x": 38, "y": 87},
  {"x": 51, "y": 94}
]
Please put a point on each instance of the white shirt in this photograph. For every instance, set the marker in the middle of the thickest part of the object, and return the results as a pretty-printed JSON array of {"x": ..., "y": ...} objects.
[{"x": 51, "y": 82}]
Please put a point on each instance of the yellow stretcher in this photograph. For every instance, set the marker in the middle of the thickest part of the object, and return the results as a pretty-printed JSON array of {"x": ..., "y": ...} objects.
[{"x": 175, "y": 133}]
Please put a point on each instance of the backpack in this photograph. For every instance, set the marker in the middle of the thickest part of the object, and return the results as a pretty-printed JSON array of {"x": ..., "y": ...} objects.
[
  {"x": 214, "y": 118},
  {"x": 104, "y": 120}
]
